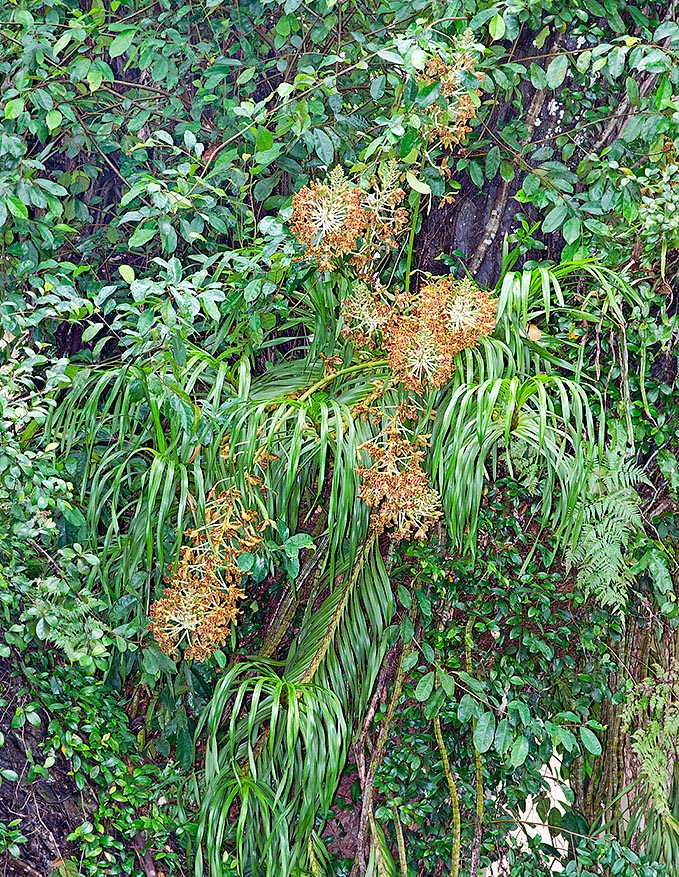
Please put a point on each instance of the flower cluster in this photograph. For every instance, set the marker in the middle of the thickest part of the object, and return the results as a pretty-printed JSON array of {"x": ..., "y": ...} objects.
[
  {"x": 421, "y": 335},
  {"x": 417, "y": 353},
  {"x": 200, "y": 604},
  {"x": 364, "y": 313},
  {"x": 329, "y": 218},
  {"x": 460, "y": 309},
  {"x": 334, "y": 219},
  {"x": 450, "y": 118},
  {"x": 396, "y": 487},
  {"x": 387, "y": 217}
]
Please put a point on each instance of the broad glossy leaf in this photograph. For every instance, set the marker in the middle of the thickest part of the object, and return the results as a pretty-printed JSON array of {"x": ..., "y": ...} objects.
[{"x": 484, "y": 732}]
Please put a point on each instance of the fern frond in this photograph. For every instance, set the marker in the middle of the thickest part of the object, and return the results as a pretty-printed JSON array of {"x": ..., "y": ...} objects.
[{"x": 603, "y": 524}]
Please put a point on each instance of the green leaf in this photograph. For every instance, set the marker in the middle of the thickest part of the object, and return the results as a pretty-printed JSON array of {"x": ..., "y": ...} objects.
[
  {"x": 556, "y": 72},
  {"x": 555, "y": 218},
  {"x": 590, "y": 741},
  {"x": 14, "y": 108},
  {"x": 73, "y": 515},
  {"x": 434, "y": 703},
  {"x": 168, "y": 236},
  {"x": 657, "y": 566},
  {"x": 410, "y": 661},
  {"x": 655, "y": 61},
  {"x": 571, "y": 229},
  {"x": 447, "y": 683},
  {"x": 666, "y": 29},
  {"x": 42, "y": 100},
  {"x": 541, "y": 38},
  {"x": 484, "y": 732},
  {"x": 246, "y": 561},
  {"x": 507, "y": 171},
  {"x": 492, "y": 162},
  {"x": 121, "y": 43},
  {"x": 482, "y": 17},
  {"x": 418, "y": 58},
  {"x": 127, "y": 273},
  {"x": 467, "y": 708},
  {"x": 142, "y": 235},
  {"x": 538, "y": 78},
  {"x": 416, "y": 184},
  {"x": 53, "y": 119},
  {"x": 472, "y": 684},
  {"x": 669, "y": 466},
  {"x": 378, "y": 86},
  {"x": 94, "y": 78},
  {"x": 632, "y": 88},
  {"x": 296, "y": 543},
  {"x": 503, "y": 736},
  {"x": 519, "y": 751},
  {"x": 390, "y": 56},
  {"x": 155, "y": 662},
  {"x": 324, "y": 148},
  {"x": 184, "y": 748},
  {"x": 16, "y": 207},
  {"x": 616, "y": 61},
  {"x": 496, "y": 27},
  {"x": 91, "y": 331},
  {"x": 264, "y": 140},
  {"x": 425, "y": 686},
  {"x": 405, "y": 598}
]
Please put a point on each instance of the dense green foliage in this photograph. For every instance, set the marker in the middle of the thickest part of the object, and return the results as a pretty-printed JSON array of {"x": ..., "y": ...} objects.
[{"x": 437, "y": 494}]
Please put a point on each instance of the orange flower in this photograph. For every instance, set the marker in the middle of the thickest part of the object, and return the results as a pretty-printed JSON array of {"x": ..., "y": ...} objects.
[
  {"x": 334, "y": 218},
  {"x": 448, "y": 316},
  {"x": 329, "y": 218},
  {"x": 396, "y": 487},
  {"x": 449, "y": 121},
  {"x": 363, "y": 313},
  {"x": 458, "y": 309},
  {"x": 200, "y": 606},
  {"x": 193, "y": 613}
]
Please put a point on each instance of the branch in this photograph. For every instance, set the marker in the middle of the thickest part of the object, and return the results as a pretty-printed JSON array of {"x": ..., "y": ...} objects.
[{"x": 48, "y": 557}]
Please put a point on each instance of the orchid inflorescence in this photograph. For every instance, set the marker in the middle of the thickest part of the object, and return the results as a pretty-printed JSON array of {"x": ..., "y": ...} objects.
[
  {"x": 200, "y": 604},
  {"x": 334, "y": 219},
  {"x": 450, "y": 115},
  {"x": 421, "y": 334},
  {"x": 396, "y": 487}
]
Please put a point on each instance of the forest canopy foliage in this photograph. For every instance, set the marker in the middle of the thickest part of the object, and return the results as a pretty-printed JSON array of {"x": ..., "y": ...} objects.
[{"x": 338, "y": 437}]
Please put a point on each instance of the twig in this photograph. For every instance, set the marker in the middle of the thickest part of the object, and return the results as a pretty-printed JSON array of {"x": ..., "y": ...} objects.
[
  {"x": 48, "y": 557},
  {"x": 24, "y": 868},
  {"x": 478, "y": 767},
  {"x": 291, "y": 598},
  {"x": 400, "y": 844},
  {"x": 103, "y": 155}
]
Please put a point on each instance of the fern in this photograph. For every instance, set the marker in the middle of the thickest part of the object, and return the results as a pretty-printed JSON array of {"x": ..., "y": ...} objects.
[
  {"x": 654, "y": 703},
  {"x": 605, "y": 521},
  {"x": 69, "y": 620}
]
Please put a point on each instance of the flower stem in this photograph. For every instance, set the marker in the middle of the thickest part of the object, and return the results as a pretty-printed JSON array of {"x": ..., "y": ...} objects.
[
  {"x": 328, "y": 379},
  {"x": 411, "y": 242}
]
